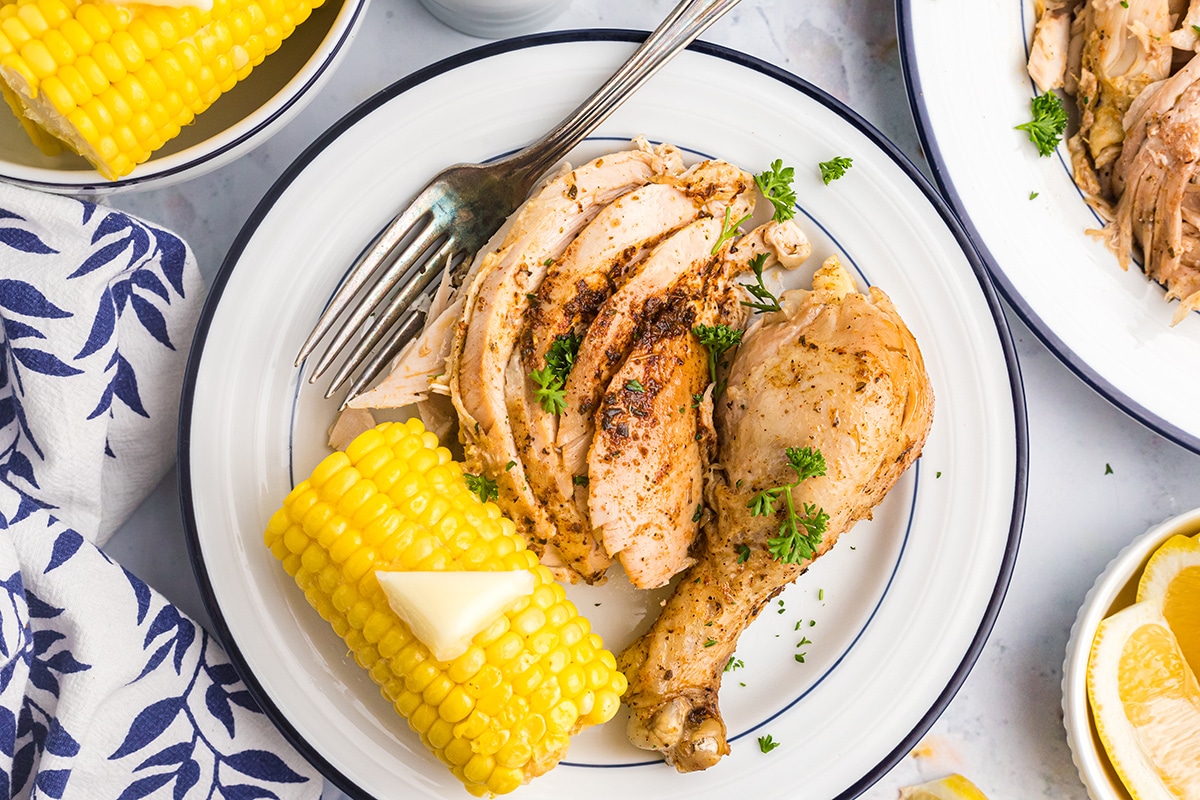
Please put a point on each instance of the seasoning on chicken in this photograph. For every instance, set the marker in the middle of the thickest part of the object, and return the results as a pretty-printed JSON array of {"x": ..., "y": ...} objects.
[
  {"x": 608, "y": 252},
  {"x": 834, "y": 371},
  {"x": 653, "y": 444},
  {"x": 483, "y": 357}
]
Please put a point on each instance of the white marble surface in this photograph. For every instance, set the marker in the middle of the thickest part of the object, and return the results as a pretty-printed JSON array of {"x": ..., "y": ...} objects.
[{"x": 1003, "y": 729}]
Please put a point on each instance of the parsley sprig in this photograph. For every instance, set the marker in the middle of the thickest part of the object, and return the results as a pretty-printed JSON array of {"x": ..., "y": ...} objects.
[
  {"x": 553, "y": 377},
  {"x": 1049, "y": 121},
  {"x": 483, "y": 486},
  {"x": 834, "y": 168},
  {"x": 717, "y": 339},
  {"x": 799, "y": 535},
  {"x": 729, "y": 229},
  {"x": 776, "y": 185},
  {"x": 764, "y": 301}
]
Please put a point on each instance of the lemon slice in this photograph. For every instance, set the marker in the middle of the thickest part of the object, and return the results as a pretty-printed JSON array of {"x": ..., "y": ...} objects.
[
  {"x": 1171, "y": 582},
  {"x": 951, "y": 787},
  {"x": 1146, "y": 704}
]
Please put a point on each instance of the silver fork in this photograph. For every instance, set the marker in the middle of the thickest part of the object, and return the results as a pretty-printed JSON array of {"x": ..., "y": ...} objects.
[{"x": 460, "y": 209}]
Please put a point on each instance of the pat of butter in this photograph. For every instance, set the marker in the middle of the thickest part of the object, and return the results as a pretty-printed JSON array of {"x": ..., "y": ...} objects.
[
  {"x": 202, "y": 5},
  {"x": 445, "y": 610}
]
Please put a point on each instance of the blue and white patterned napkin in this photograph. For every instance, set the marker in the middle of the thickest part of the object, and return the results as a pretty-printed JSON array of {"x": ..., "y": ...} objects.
[{"x": 106, "y": 689}]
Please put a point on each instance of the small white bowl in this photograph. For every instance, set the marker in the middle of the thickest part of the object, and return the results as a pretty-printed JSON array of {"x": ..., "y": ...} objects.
[
  {"x": 495, "y": 19},
  {"x": 238, "y": 121},
  {"x": 1115, "y": 589}
]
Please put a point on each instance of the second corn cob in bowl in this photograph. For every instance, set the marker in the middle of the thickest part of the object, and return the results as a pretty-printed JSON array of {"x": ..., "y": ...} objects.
[
  {"x": 115, "y": 82},
  {"x": 498, "y": 709}
]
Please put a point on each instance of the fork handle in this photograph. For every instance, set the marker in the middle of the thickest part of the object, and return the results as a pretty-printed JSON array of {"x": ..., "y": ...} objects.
[{"x": 687, "y": 21}]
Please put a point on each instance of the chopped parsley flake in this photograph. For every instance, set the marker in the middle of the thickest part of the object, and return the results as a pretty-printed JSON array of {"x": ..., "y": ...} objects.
[
  {"x": 634, "y": 385},
  {"x": 766, "y": 743},
  {"x": 743, "y": 553},
  {"x": 1049, "y": 121},
  {"x": 799, "y": 535},
  {"x": 834, "y": 168},
  {"x": 776, "y": 186},
  {"x": 733, "y": 663},
  {"x": 717, "y": 339},
  {"x": 764, "y": 301},
  {"x": 483, "y": 486},
  {"x": 553, "y": 377}
]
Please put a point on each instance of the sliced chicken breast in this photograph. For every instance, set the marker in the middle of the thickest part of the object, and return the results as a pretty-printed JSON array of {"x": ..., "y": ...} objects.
[
  {"x": 607, "y": 251},
  {"x": 652, "y": 447},
  {"x": 495, "y": 306}
]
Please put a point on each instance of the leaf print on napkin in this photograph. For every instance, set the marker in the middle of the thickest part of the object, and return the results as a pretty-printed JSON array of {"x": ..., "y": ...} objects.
[
  {"x": 22, "y": 239},
  {"x": 177, "y": 731}
]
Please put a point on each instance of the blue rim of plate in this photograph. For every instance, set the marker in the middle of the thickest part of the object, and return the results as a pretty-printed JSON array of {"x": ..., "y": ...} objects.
[
  {"x": 945, "y": 182},
  {"x": 905, "y": 745},
  {"x": 103, "y": 186}
]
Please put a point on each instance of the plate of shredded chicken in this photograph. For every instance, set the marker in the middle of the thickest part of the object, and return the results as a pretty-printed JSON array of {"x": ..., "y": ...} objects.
[
  {"x": 1069, "y": 149},
  {"x": 738, "y": 379}
]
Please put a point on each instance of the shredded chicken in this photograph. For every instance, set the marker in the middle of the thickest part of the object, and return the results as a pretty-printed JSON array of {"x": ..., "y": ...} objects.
[
  {"x": 1133, "y": 70},
  {"x": 1160, "y": 200},
  {"x": 1049, "y": 53},
  {"x": 1125, "y": 47}
]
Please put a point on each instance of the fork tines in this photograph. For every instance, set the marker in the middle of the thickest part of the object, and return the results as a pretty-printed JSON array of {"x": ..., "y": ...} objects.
[{"x": 414, "y": 244}]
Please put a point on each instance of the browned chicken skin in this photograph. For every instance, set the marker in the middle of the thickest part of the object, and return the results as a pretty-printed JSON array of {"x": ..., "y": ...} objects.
[{"x": 834, "y": 370}]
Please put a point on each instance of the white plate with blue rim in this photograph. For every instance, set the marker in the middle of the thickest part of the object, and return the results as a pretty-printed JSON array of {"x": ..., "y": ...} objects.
[
  {"x": 1111, "y": 327},
  {"x": 887, "y": 626}
]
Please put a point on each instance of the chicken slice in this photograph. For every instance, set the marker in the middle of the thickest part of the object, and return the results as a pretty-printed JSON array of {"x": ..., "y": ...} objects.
[
  {"x": 494, "y": 309},
  {"x": 644, "y": 467},
  {"x": 1158, "y": 170},
  {"x": 653, "y": 441},
  {"x": 611, "y": 333},
  {"x": 606, "y": 251},
  {"x": 834, "y": 370}
]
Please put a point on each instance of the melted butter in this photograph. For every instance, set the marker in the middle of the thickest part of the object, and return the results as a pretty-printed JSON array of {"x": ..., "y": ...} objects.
[{"x": 445, "y": 610}]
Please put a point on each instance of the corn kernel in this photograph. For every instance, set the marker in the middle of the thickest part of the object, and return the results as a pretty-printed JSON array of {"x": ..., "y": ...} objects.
[
  {"x": 456, "y": 705},
  {"x": 423, "y": 718},
  {"x": 31, "y": 16}
]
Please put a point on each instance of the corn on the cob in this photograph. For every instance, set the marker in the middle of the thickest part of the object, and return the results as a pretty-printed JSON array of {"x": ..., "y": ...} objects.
[
  {"x": 502, "y": 712},
  {"x": 116, "y": 82}
]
